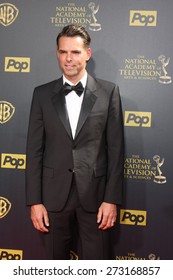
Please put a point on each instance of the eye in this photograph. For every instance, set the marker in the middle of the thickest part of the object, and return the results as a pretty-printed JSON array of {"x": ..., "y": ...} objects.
[
  {"x": 76, "y": 52},
  {"x": 62, "y": 52}
]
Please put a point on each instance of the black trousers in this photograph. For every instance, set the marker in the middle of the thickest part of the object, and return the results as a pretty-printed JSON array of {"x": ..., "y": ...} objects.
[{"x": 94, "y": 243}]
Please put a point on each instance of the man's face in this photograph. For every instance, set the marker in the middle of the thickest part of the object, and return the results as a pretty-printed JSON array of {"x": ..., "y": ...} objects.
[{"x": 72, "y": 56}]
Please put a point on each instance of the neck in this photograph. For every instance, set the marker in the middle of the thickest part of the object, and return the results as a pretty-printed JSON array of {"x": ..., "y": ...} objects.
[{"x": 75, "y": 79}]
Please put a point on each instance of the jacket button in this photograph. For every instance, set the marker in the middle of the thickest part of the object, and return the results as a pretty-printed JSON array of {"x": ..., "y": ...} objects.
[{"x": 71, "y": 170}]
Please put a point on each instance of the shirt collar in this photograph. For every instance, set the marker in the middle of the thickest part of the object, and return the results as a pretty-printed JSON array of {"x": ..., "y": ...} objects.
[{"x": 83, "y": 80}]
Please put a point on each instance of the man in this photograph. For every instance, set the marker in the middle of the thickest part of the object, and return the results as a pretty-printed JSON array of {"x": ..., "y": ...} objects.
[{"x": 74, "y": 172}]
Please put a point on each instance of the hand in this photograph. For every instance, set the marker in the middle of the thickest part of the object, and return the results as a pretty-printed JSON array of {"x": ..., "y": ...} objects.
[
  {"x": 107, "y": 215},
  {"x": 39, "y": 217}
]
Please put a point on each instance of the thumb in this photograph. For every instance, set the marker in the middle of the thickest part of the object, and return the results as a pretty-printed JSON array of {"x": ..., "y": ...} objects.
[
  {"x": 99, "y": 215},
  {"x": 46, "y": 219}
]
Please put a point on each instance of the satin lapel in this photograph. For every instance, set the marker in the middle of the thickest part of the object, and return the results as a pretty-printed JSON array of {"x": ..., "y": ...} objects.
[
  {"x": 88, "y": 103},
  {"x": 60, "y": 106}
]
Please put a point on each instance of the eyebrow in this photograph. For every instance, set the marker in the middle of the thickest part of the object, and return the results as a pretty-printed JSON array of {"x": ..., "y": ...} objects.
[{"x": 76, "y": 51}]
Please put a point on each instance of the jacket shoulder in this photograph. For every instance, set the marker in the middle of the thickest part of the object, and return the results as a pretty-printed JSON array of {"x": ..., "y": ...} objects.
[
  {"x": 50, "y": 85},
  {"x": 105, "y": 83}
]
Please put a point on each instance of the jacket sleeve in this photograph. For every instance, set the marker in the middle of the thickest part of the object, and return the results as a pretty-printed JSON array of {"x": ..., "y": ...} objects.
[
  {"x": 34, "y": 152},
  {"x": 115, "y": 150}
]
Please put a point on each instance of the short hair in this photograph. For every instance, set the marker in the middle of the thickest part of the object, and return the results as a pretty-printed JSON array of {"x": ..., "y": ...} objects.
[{"x": 73, "y": 30}]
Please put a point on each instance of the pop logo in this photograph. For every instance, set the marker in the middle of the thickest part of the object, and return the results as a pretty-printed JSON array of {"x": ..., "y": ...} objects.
[
  {"x": 6, "y": 254},
  {"x": 133, "y": 217},
  {"x": 15, "y": 161},
  {"x": 143, "y": 18},
  {"x": 5, "y": 206},
  {"x": 139, "y": 119},
  {"x": 8, "y": 13},
  {"x": 17, "y": 64}
]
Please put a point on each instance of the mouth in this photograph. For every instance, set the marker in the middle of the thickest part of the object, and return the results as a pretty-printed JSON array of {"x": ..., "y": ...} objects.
[{"x": 69, "y": 67}]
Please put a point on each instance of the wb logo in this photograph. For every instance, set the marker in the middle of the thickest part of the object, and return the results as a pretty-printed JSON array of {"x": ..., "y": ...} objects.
[
  {"x": 139, "y": 119},
  {"x": 17, "y": 64},
  {"x": 5, "y": 207},
  {"x": 143, "y": 18},
  {"x": 133, "y": 217},
  {"x": 6, "y": 111},
  {"x": 8, "y": 13},
  {"x": 73, "y": 256}
]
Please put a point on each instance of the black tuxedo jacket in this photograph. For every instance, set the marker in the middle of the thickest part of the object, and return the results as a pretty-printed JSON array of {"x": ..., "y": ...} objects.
[{"x": 95, "y": 156}]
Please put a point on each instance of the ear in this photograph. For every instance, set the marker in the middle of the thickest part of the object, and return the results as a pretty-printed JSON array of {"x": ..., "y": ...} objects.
[{"x": 89, "y": 53}]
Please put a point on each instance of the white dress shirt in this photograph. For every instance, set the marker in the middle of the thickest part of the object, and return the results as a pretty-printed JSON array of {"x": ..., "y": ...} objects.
[{"x": 73, "y": 104}]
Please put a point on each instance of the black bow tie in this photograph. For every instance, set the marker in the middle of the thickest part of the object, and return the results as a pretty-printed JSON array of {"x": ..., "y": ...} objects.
[{"x": 78, "y": 88}]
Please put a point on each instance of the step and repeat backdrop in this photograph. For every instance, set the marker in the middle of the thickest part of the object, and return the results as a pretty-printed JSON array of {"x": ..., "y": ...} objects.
[{"x": 132, "y": 46}]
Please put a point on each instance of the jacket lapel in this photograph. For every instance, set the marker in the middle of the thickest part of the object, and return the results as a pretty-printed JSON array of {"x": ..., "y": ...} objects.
[
  {"x": 87, "y": 104},
  {"x": 59, "y": 103}
]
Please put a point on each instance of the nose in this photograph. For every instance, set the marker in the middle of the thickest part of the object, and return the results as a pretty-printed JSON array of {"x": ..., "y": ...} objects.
[{"x": 68, "y": 57}]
